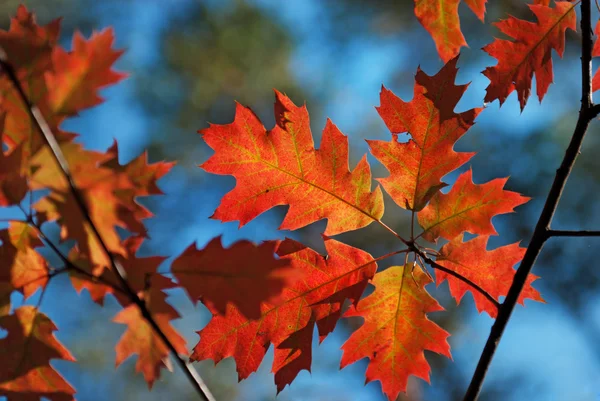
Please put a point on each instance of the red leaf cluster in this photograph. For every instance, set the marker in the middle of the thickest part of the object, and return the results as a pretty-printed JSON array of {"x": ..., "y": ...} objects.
[{"x": 277, "y": 292}]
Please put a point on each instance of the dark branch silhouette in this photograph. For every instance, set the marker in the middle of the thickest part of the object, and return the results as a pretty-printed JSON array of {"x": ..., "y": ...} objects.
[{"x": 566, "y": 233}]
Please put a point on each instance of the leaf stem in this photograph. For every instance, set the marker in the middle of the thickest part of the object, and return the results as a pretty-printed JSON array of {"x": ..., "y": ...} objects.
[
  {"x": 587, "y": 112},
  {"x": 42, "y": 125}
]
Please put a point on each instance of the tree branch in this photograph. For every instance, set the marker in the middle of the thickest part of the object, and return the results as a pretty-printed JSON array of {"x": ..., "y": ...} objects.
[
  {"x": 41, "y": 123},
  {"x": 566, "y": 233},
  {"x": 586, "y": 114}
]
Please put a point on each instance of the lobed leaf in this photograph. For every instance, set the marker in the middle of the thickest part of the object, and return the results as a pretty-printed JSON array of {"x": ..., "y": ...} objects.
[
  {"x": 244, "y": 275},
  {"x": 492, "y": 270},
  {"x": 282, "y": 167},
  {"x": 396, "y": 331},
  {"x": 140, "y": 338},
  {"x": 440, "y": 18},
  {"x": 317, "y": 298},
  {"x": 529, "y": 52},
  {"x": 467, "y": 207},
  {"x": 417, "y": 166},
  {"x": 26, "y": 351}
]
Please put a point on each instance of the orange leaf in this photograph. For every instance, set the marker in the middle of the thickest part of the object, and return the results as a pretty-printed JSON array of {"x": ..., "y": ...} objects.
[
  {"x": 492, "y": 270},
  {"x": 110, "y": 190},
  {"x": 26, "y": 351},
  {"x": 21, "y": 266},
  {"x": 13, "y": 184},
  {"x": 440, "y": 19},
  {"x": 28, "y": 48},
  {"x": 282, "y": 167},
  {"x": 529, "y": 52},
  {"x": 139, "y": 338},
  {"x": 245, "y": 275},
  {"x": 140, "y": 272},
  {"x": 98, "y": 187},
  {"x": 79, "y": 74},
  {"x": 417, "y": 166},
  {"x": 396, "y": 330},
  {"x": 467, "y": 207},
  {"x": 28, "y": 45},
  {"x": 316, "y": 299}
]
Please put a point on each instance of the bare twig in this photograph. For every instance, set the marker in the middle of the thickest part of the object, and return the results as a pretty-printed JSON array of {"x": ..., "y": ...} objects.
[
  {"x": 587, "y": 112},
  {"x": 566, "y": 233},
  {"x": 120, "y": 273}
]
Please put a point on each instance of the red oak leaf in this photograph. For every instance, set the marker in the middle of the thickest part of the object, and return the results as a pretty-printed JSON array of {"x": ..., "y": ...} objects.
[
  {"x": 13, "y": 184},
  {"x": 79, "y": 74},
  {"x": 396, "y": 331},
  {"x": 26, "y": 351},
  {"x": 467, "y": 207},
  {"x": 529, "y": 52},
  {"x": 140, "y": 271},
  {"x": 315, "y": 299},
  {"x": 440, "y": 19},
  {"x": 417, "y": 166},
  {"x": 492, "y": 270},
  {"x": 245, "y": 275},
  {"x": 21, "y": 266},
  {"x": 282, "y": 167},
  {"x": 28, "y": 46},
  {"x": 98, "y": 187},
  {"x": 140, "y": 338},
  {"x": 110, "y": 190}
]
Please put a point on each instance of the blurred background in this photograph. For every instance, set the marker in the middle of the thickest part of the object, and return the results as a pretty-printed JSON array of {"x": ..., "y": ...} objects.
[{"x": 189, "y": 60}]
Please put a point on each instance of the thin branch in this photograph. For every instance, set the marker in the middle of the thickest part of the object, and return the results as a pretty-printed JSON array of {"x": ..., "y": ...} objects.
[
  {"x": 42, "y": 125},
  {"x": 72, "y": 266},
  {"x": 462, "y": 278},
  {"x": 586, "y": 114},
  {"x": 566, "y": 233}
]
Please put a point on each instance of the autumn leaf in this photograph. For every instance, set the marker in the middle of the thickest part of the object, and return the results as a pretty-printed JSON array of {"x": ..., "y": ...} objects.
[
  {"x": 140, "y": 338},
  {"x": 110, "y": 191},
  {"x": 140, "y": 272},
  {"x": 396, "y": 331},
  {"x": 28, "y": 48},
  {"x": 26, "y": 352},
  {"x": 282, "y": 167},
  {"x": 467, "y": 207},
  {"x": 529, "y": 52},
  {"x": 440, "y": 18},
  {"x": 97, "y": 186},
  {"x": 315, "y": 299},
  {"x": 80, "y": 73},
  {"x": 244, "y": 274},
  {"x": 492, "y": 270},
  {"x": 13, "y": 184},
  {"x": 417, "y": 166},
  {"x": 21, "y": 266}
]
